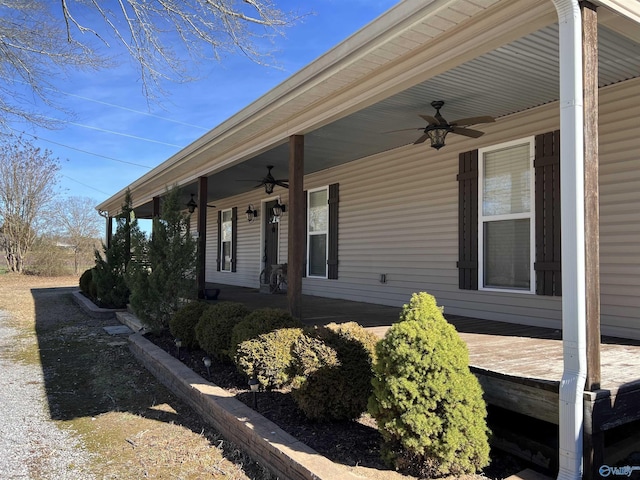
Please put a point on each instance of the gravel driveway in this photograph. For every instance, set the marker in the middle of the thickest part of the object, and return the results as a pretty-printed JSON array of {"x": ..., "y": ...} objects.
[{"x": 32, "y": 446}]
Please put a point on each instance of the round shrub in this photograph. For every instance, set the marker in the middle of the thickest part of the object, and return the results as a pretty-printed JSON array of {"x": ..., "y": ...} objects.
[
  {"x": 183, "y": 323},
  {"x": 213, "y": 331},
  {"x": 311, "y": 353},
  {"x": 337, "y": 369},
  {"x": 262, "y": 320},
  {"x": 427, "y": 403},
  {"x": 268, "y": 357},
  {"x": 86, "y": 283}
]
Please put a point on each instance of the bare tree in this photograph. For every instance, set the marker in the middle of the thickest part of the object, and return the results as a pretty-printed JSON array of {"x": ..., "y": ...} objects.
[
  {"x": 34, "y": 47},
  {"x": 78, "y": 225},
  {"x": 164, "y": 38},
  {"x": 28, "y": 177}
]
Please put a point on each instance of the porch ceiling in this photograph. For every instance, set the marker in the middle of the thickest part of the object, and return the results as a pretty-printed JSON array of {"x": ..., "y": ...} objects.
[{"x": 514, "y": 77}]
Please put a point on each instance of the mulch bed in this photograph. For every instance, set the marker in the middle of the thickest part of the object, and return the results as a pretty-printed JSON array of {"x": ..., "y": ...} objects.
[{"x": 349, "y": 443}]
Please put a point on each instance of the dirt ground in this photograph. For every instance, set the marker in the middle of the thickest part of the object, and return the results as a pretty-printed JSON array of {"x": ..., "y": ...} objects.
[{"x": 131, "y": 426}]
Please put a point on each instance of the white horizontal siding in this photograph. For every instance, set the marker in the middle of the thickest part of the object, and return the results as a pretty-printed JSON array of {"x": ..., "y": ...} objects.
[
  {"x": 249, "y": 239},
  {"x": 398, "y": 216},
  {"x": 619, "y": 212}
]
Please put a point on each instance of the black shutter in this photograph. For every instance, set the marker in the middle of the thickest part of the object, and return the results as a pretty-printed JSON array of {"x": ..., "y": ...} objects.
[
  {"x": 218, "y": 258},
  {"x": 332, "y": 261},
  {"x": 234, "y": 239},
  {"x": 547, "y": 179},
  {"x": 306, "y": 238},
  {"x": 468, "y": 221}
]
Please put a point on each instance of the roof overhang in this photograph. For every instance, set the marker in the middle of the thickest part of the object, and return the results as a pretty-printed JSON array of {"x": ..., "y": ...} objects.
[{"x": 481, "y": 57}]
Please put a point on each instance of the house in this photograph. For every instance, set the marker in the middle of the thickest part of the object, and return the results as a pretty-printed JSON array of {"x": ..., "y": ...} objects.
[{"x": 371, "y": 215}]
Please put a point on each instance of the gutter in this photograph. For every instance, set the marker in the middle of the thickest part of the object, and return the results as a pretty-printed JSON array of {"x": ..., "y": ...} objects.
[{"x": 573, "y": 247}]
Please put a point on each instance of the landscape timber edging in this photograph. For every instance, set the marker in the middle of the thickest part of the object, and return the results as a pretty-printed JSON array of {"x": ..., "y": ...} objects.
[
  {"x": 262, "y": 439},
  {"x": 92, "y": 309}
]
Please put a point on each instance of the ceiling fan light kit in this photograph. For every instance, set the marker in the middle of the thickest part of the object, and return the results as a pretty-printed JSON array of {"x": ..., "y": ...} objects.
[
  {"x": 269, "y": 182},
  {"x": 438, "y": 128}
]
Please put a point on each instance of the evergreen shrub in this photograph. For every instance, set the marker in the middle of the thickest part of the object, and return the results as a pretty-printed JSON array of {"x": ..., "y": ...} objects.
[
  {"x": 86, "y": 283},
  {"x": 427, "y": 403},
  {"x": 269, "y": 357},
  {"x": 183, "y": 323},
  {"x": 335, "y": 372},
  {"x": 310, "y": 353},
  {"x": 162, "y": 271},
  {"x": 112, "y": 265},
  {"x": 262, "y": 320},
  {"x": 213, "y": 330}
]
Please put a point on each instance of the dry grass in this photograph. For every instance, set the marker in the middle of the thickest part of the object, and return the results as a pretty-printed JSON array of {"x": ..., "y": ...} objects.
[{"x": 132, "y": 425}]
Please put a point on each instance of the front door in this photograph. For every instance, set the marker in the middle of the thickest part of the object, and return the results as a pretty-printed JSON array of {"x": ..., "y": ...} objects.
[{"x": 270, "y": 251}]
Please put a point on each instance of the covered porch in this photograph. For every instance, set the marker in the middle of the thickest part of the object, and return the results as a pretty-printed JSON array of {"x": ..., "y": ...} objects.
[
  {"x": 408, "y": 217},
  {"x": 519, "y": 368}
]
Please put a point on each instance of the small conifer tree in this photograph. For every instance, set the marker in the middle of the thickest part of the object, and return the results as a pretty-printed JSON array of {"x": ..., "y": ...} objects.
[
  {"x": 164, "y": 266},
  {"x": 110, "y": 272},
  {"x": 427, "y": 403}
]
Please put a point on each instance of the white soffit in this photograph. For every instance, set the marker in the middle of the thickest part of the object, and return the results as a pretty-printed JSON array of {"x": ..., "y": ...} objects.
[{"x": 627, "y": 8}]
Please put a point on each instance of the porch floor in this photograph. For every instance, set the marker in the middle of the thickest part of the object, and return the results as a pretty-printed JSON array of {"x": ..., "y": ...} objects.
[{"x": 504, "y": 348}]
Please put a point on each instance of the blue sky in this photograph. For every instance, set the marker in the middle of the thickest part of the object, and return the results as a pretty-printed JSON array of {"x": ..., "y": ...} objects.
[{"x": 111, "y": 110}]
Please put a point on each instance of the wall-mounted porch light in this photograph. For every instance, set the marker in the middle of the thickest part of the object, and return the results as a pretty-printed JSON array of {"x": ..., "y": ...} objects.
[
  {"x": 278, "y": 209},
  {"x": 191, "y": 204},
  {"x": 252, "y": 213}
]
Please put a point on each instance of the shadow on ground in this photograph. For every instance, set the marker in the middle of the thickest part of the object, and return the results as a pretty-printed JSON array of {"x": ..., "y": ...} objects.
[{"x": 89, "y": 373}]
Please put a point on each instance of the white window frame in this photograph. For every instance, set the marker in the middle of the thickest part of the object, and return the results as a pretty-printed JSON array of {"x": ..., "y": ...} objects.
[
  {"x": 222, "y": 241},
  {"x": 516, "y": 216},
  {"x": 324, "y": 232}
]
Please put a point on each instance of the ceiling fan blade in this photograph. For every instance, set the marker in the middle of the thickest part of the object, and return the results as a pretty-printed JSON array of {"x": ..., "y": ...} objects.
[
  {"x": 467, "y": 132},
  {"x": 429, "y": 119},
  {"x": 474, "y": 120},
  {"x": 282, "y": 183},
  {"x": 422, "y": 139},
  {"x": 404, "y": 130}
]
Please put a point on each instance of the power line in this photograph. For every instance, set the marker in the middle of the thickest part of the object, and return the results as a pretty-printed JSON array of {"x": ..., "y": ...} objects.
[
  {"x": 84, "y": 184},
  {"x": 113, "y": 132},
  {"x": 83, "y": 151},
  {"x": 139, "y": 112},
  {"x": 136, "y": 111}
]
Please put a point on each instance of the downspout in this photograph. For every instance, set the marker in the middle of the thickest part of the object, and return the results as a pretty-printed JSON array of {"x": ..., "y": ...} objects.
[{"x": 573, "y": 248}]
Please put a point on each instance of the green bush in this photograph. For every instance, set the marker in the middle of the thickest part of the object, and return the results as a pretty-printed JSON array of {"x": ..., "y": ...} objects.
[
  {"x": 161, "y": 272},
  {"x": 86, "y": 283},
  {"x": 268, "y": 357},
  {"x": 263, "y": 320},
  {"x": 427, "y": 403},
  {"x": 336, "y": 369},
  {"x": 183, "y": 323},
  {"x": 213, "y": 330},
  {"x": 311, "y": 353}
]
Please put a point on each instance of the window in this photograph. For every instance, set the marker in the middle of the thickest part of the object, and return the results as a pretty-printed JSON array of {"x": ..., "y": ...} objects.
[
  {"x": 317, "y": 232},
  {"x": 226, "y": 238},
  {"x": 497, "y": 220},
  {"x": 505, "y": 216}
]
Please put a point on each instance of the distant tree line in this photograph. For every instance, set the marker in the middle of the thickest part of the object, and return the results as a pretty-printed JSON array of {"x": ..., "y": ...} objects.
[{"x": 41, "y": 231}]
